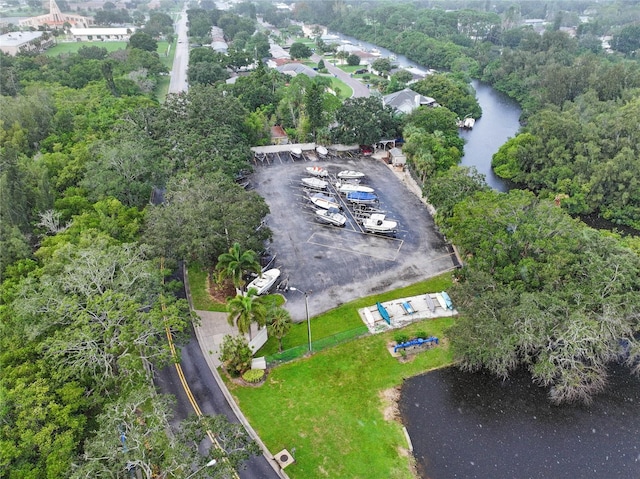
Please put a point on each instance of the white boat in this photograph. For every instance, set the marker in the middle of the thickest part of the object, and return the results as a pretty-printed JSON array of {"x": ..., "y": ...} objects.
[
  {"x": 377, "y": 223},
  {"x": 317, "y": 171},
  {"x": 264, "y": 282},
  {"x": 447, "y": 299},
  {"x": 296, "y": 152},
  {"x": 350, "y": 175},
  {"x": 468, "y": 123},
  {"x": 314, "y": 183},
  {"x": 441, "y": 301},
  {"x": 324, "y": 201},
  {"x": 345, "y": 188},
  {"x": 331, "y": 216},
  {"x": 322, "y": 151},
  {"x": 360, "y": 197}
]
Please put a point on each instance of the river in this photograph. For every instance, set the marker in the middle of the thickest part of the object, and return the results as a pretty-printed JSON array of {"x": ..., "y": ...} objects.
[
  {"x": 476, "y": 426},
  {"x": 499, "y": 122}
]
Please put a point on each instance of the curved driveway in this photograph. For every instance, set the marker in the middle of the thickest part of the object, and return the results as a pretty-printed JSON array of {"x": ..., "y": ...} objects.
[{"x": 359, "y": 89}]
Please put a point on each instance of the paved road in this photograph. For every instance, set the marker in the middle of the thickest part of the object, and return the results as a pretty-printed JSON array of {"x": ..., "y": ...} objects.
[
  {"x": 181, "y": 59},
  {"x": 208, "y": 396},
  {"x": 198, "y": 373},
  {"x": 359, "y": 89}
]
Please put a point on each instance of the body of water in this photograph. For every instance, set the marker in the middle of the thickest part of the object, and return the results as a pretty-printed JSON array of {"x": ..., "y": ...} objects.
[
  {"x": 477, "y": 426},
  {"x": 499, "y": 122}
]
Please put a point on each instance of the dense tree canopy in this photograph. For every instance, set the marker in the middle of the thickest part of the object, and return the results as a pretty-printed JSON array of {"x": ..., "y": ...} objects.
[
  {"x": 542, "y": 291},
  {"x": 299, "y": 50},
  {"x": 365, "y": 121}
]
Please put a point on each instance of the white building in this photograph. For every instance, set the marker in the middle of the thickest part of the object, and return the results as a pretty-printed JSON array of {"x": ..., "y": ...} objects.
[
  {"x": 119, "y": 34},
  {"x": 19, "y": 42}
]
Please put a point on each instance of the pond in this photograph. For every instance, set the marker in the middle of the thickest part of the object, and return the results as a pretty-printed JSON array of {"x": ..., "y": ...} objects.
[{"x": 477, "y": 426}]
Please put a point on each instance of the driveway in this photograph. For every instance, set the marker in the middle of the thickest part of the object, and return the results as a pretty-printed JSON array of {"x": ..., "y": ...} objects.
[
  {"x": 335, "y": 264},
  {"x": 359, "y": 89}
]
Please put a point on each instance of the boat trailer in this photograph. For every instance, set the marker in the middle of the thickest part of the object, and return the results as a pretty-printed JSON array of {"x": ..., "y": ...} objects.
[{"x": 431, "y": 341}]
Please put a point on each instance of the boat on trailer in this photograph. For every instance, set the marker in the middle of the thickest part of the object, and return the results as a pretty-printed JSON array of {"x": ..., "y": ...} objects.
[
  {"x": 441, "y": 301},
  {"x": 447, "y": 300},
  {"x": 314, "y": 183},
  {"x": 360, "y": 197},
  {"x": 331, "y": 216},
  {"x": 350, "y": 175},
  {"x": 317, "y": 171},
  {"x": 296, "y": 152},
  {"x": 325, "y": 202},
  {"x": 322, "y": 151},
  {"x": 345, "y": 187},
  {"x": 378, "y": 223},
  {"x": 264, "y": 282}
]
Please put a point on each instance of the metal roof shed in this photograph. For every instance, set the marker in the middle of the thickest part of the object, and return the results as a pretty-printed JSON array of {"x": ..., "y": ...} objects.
[{"x": 397, "y": 157}]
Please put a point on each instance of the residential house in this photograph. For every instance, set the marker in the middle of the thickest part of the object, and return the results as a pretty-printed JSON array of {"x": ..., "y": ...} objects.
[{"x": 407, "y": 100}]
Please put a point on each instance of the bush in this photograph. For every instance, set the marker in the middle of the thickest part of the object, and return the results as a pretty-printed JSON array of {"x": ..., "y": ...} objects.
[
  {"x": 253, "y": 375},
  {"x": 321, "y": 65},
  {"x": 421, "y": 334},
  {"x": 353, "y": 60},
  {"x": 401, "y": 337},
  {"x": 235, "y": 354}
]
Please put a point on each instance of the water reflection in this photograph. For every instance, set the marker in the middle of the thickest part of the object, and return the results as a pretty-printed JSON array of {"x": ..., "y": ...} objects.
[
  {"x": 499, "y": 122},
  {"x": 476, "y": 426}
]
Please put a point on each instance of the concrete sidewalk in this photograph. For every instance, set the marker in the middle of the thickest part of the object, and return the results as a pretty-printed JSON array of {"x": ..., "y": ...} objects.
[{"x": 210, "y": 332}]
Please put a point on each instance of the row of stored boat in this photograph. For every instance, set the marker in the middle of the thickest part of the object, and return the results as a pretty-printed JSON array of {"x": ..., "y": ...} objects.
[{"x": 361, "y": 198}]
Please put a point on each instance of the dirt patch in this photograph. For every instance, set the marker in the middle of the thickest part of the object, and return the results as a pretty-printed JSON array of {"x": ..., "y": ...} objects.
[
  {"x": 390, "y": 398},
  {"x": 220, "y": 292}
]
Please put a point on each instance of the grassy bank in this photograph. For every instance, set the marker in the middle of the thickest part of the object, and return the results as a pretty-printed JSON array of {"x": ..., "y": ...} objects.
[{"x": 334, "y": 407}]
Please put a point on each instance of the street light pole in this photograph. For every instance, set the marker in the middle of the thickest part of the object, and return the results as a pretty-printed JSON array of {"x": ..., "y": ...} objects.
[
  {"x": 211, "y": 463},
  {"x": 306, "y": 308}
]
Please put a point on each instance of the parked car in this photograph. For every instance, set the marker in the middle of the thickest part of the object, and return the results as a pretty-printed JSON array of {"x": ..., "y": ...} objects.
[{"x": 366, "y": 150}]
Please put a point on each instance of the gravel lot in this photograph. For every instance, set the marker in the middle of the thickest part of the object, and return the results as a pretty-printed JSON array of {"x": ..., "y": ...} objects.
[{"x": 336, "y": 265}]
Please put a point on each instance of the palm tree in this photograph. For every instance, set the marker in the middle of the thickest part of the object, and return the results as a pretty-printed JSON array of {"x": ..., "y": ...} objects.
[
  {"x": 245, "y": 309},
  {"x": 236, "y": 263},
  {"x": 279, "y": 324}
]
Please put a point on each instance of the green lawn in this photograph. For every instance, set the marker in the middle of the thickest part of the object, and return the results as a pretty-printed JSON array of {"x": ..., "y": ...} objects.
[
  {"x": 343, "y": 90},
  {"x": 73, "y": 47},
  {"x": 198, "y": 286},
  {"x": 330, "y": 407},
  {"x": 345, "y": 318}
]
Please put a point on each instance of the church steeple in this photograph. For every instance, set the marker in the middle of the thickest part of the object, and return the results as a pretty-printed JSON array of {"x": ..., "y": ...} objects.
[{"x": 55, "y": 13}]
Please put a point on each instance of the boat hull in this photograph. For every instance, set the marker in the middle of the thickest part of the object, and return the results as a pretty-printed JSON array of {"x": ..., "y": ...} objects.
[
  {"x": 350, "y": 175},
  {"x": 314, "y": 183},
  {"x": 264, "y": 282},
  {"x": 317, "y": 171},
  {"x": 322, "y": 151},
  {"x": 346, "y": 188},
  {"x": 359, "y": 197},
  {"x": 377, "y": 223},
  {"x": 324, "y": 202},
  {"x": 331, "y": 217}
]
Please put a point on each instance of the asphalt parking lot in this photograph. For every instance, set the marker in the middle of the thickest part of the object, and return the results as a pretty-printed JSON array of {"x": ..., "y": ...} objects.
[{"x": 333, "y": 264}]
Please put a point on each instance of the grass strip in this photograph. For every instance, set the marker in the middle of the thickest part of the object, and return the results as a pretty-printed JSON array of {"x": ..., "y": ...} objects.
[{"x": 334, "y": 407}]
